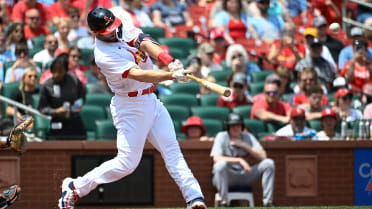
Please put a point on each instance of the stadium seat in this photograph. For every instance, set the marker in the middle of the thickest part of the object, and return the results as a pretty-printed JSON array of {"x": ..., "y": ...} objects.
[
  {"x": 85, "y": 56},
  {"x": 182, "y": 43},
  {"x": 315, "y": 124},
  {"x": 256, "y": 127},
  {"x": 286, "y": 97},
  {"x": 272, "y": 127},
  {"x": 89, "y": 114},
  {"x": 108, "y": 113},
  {"x": 212, "y": 126},
  {"x": 331, "y": 97},
  {"x": 38, "y": 42},
  {"x": 178, "y": 112},
  {"x": 209, "y": 112},
  {"x": 209, "y": 99},
  {"x": 105, "y": 130},
  {"x": 154, "y": 32},
  {"x": 52, "y": 28},
  {"x": 35, "y": 100},
  {"x": 260, "y": 76},
  {"x": 102, "y": 100},
  {"x": 244, "y": 110},
  {"x": 178, "y": 53},
  {"x": 192, "y": 88},
  {"x": 177, "y": 127},
  {"x": 220, "y": 75},
  {"x": 222, "y": 83},
  {"x": 6, "y": 66},
  {"x": 186, "y": 100},
  {"x": 7, "y": 91},
  {"x": 89, "y": 87},
  {"x": 256, "y": 88},
  {"x": 34, "y": 51},
  {"x": 41, "y": 127}
]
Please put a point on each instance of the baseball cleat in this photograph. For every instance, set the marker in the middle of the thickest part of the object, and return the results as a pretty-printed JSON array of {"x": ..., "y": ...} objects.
[
  {"x": 69, "y": 196},
  {"x": 9, "y": 196},
  {"x": 197, "y": 203}
]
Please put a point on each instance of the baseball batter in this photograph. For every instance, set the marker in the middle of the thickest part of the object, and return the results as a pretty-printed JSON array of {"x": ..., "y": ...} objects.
[{"x": 122, "y": 52}]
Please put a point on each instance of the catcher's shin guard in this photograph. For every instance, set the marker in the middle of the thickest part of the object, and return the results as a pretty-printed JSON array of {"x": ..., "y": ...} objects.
[{"x": 9, "y": 196}]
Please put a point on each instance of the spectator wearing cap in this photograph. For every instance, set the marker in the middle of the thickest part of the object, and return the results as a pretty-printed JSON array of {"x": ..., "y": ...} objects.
[
  {"x": 232, "y": 150},
  {"x": 328, "y": 124},
  {"x": 194, "y": 129},
  {"x": 324, "y": 69},
  {"x": 205, "y": 52},
  {"x": 33, "y": 27},
  {"x": 232, "y": 20},
  {"x": 237, "y": 60},
  {"x": 347, "y": 53},
  {"x": 286, "y": 51},
  {"x": 266, "y": 26},
  {"x": 367, "y": 100},
  {"x": 342, "y": 106},
  {"x": 238, "y": 96},
  {"x": 270, "y": 107},
  {"x": 218, "y": 42},
  {"x": 296, "y": 129},
  {"x": 358, "y": 71},
  {"x": 313, "y": 105},
  {"x": 310, "y": 34},
  {"x": 333, "y": 44}
]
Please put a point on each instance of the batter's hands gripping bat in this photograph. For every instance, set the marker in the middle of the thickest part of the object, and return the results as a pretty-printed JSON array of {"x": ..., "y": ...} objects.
[{"x": 212, "y": 86}]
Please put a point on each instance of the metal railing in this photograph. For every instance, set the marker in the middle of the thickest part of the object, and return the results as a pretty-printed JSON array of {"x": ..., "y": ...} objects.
[
  {"x": 346, "y": 20},
  {"x": 17, "y": 105}
]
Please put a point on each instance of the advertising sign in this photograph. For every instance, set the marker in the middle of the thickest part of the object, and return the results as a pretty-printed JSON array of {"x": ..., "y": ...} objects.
[{"x": 363, "y": 176}]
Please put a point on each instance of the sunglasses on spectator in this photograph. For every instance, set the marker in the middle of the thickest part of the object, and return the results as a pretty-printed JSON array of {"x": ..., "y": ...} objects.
[
  {"x": 76, "y": 56},
  {"x": 236, "y": 56},
  {"x": 34, "y": 18},
  {"x": 298, "y": 118},
  {"x": 32, "y": 76},
  {"x": 52, "y": 42},
  {"x": 308, "y": 79},
  {"x": 238, "y": 86},
  {"x": 347, "y": 97},
  {"x": 271, "y": 93}
]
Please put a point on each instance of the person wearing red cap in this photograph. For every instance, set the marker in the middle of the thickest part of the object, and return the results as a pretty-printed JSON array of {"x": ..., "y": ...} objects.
[
  {"x": 328, "y": 124},
  {"x": 342, "y": 106},
  {"x": 195, "y": 130},
  {"x": 123, "y": 53},
  {"x": 218, "y": 42},
  {"x": 296, "y": 129},
  {"x": 367, "y": 99}
]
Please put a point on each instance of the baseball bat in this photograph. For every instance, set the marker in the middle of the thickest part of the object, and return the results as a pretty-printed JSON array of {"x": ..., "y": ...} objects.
[{"x": 212, "y": 86}]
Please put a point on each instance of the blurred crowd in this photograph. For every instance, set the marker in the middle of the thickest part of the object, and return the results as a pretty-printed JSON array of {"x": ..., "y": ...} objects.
[{"x": 291, "y": 76}]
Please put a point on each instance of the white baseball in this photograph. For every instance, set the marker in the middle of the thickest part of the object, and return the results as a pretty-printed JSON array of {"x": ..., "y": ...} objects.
[{"x": 334, "y": 27}]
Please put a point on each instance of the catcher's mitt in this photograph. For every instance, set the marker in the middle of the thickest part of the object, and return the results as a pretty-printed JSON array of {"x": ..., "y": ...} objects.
[{"x": 17, "y": 141}]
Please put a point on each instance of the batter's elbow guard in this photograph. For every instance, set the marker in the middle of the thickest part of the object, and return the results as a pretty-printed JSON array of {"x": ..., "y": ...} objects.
[{"x": 144, "y": 37}]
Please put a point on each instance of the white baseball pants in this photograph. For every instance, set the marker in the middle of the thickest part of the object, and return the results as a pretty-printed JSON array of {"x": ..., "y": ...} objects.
[{"x": 137, "y": 119}]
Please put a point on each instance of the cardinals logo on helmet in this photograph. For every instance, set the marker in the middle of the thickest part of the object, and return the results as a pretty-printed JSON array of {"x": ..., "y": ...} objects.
[{"x": 108, "y": 20}]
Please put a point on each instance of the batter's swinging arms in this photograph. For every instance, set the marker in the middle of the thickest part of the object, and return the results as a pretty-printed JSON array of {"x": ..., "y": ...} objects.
[{"x": 122, "y": 52}]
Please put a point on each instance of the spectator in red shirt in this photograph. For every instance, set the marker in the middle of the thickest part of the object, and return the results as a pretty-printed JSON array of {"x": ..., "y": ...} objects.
[
  {"x": 20, "y": 8},
  {"x": 286, "y": 51},
  {"x": 58, "y": 10},
  {"x": 219, "y": 44},
  {"x": 358, "y": 70},
  {"x": 238, "y": 97},
  {"x": 33, "y": 27},
  {"x": 270, "y": 108},
  {"x": 308, "y": 79},
  {"x": 75, "y": 68},
  {"x": 314, "y": 106}
]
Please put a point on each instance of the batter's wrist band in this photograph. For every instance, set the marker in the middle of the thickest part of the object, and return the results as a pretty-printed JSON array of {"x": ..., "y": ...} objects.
[{"x": 165, "y": 58}]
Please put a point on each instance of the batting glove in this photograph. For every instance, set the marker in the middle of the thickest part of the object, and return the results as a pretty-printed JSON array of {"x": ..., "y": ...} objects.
[
  {"x": 175, "y": 65},
  {"x": 180, "y": 75}
]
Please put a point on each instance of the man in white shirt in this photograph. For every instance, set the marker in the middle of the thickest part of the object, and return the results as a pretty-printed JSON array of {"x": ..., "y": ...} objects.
[
  {"x": 48, "y": 53},
  {"x": 296, "y": 129}
]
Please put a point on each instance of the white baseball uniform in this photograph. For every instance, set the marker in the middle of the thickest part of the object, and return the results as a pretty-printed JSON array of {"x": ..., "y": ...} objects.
[{"x": 136, "y": 119}]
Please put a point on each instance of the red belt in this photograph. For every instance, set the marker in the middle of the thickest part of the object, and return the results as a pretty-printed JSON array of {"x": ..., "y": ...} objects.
[{"x": 144, "y": 92}]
